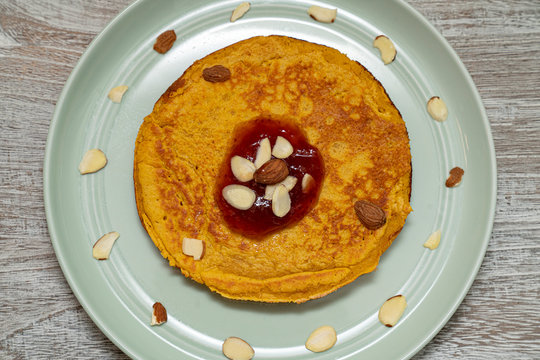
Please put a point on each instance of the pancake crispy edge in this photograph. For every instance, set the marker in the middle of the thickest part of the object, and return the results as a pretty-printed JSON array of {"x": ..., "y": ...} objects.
[{"x": 346, "y": 114}]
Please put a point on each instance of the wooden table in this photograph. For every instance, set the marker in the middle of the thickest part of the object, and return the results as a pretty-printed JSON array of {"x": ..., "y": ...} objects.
[{"x": 40, "y": 43}]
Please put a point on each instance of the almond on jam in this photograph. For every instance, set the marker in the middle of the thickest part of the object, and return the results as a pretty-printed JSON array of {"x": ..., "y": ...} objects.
[{"x": 259, "y": 219}]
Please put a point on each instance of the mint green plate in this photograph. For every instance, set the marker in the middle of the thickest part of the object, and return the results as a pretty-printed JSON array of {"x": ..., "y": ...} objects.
[{"x": 118, "y": 294}]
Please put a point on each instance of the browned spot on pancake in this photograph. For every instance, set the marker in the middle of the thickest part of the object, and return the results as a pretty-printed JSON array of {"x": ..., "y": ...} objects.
[{"x": 179, "y": 83}]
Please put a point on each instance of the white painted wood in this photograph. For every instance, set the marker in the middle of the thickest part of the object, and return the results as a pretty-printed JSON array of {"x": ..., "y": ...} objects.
[{"x": 40, "y": 42}]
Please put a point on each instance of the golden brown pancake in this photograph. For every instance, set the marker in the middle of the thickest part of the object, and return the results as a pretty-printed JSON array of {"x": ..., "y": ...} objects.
[{"x": 345, "y": 113}]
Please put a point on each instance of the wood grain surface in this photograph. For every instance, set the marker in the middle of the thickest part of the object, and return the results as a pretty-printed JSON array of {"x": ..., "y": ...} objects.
[{"x": 40, "y": 43}]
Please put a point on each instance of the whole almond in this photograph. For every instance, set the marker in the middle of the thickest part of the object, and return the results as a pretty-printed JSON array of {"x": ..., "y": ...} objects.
[
  {"x": 271, "y": 172},
  {"x": 217, "y": 73},
  {"x": 372, "y": 216},
  {"x": 455, "y": 177},
  {"x": 165, "y": 41}
]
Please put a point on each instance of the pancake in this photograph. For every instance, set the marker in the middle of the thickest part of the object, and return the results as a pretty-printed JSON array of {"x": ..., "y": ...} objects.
[{"x": 343, "y": 111}]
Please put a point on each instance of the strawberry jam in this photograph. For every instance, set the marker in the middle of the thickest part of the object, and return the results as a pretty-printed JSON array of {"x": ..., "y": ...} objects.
[{"x": 259, "y": 219}]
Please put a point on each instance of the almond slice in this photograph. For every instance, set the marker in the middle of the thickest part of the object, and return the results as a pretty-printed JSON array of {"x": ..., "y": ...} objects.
[
  {"x": 117, "y": 92},
  {"x": 308, "y": 183},
  {"x": 193, "y": 247},
  {"x": 235, "y": 348},
  {"x": 392, "y": 310},
  {"x": 433, "y": 241},
  {"x": 239, "y": 196},
  {"x": 321, "y": 339},
  {"x": 92, "y": 161},
  {"x": 159, "y": 314},
  {"x": 264, "y": 153},
  {"x": 240, "y": 11},
  {"x": 281, "y": 201},
  {"x": 386, "y": 48},
  {"x": 242, "y": 168},
  {"x": 289, "y": 182},
  {"x": 322, "y": 14},
  {"x": 102, "y": 248},
  {"x": 437, "y": 109},
  {"x": 282, "y": 148}
]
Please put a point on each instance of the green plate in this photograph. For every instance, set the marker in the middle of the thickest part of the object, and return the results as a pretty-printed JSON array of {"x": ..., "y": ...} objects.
[{"x": 118, "y": 294}]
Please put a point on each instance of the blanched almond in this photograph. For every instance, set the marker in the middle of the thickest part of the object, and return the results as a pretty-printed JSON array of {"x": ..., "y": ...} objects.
[
  {"x": 281, "y": 201},
  {"x": 92, "y": 161},
  {"x": 289, "y": 182},
  {"x": 159, "y": 314},
  {"x": 437, "y": 109},
  {"x": 433, "y": 241},
  {"x": 386, "y": 48},
  {"x": 240, "y": 11},
  {"x": 242, "y": 168},
  {"x": 102, "y": 248},
  {"x": 117, "y": 92},
  {"x": 193, "y": 247},
  {"x": 308, "y": 183},
  {"x": 239, "y": 196},
  {"x": 235, "y": 348},
  {"x": 321, "y": 339},
  {"x": 264, "y": 153},
  {"x": 322, "y": 14},
  {"x": 282, "y": 148},
  {"x": 392, "y": 310}
]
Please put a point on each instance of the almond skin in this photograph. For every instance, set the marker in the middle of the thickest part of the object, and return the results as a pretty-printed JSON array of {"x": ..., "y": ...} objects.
[
  {"x": 217, "y": 73},
  {"x": 455, "y": 177},
  {"x": 159, "y": 314},
  {"x": 165, "y": 41},
  {"x": 271, "y": 172},
  {"x": 372, "y": 216}
]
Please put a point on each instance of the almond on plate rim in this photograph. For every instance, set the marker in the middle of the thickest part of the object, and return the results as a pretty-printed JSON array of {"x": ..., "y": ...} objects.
[
  {"x": 159, "y": 314},
  {"x": 322, "y": 14},
  {"x": 386, "y": 48},
  {"x": 437, "y": 109},
  {"x": 392, "y": 310},
  {"x": 103, "y": 246},
  {"x": 240, "y": 11},
  {"x": 455, "y": 177},
  {"x": 165, "y": 41},
  {"x": 321, "y": 339},
  {"x": 433, "y": 240},
  {"x": 93, "y": 160},
  {"x": 117, "y": 93},
  {"x": 235, "y": 348}
]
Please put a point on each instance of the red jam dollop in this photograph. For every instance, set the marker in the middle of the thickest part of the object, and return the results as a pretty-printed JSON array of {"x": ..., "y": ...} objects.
[{"x": 259, "y": 219}]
